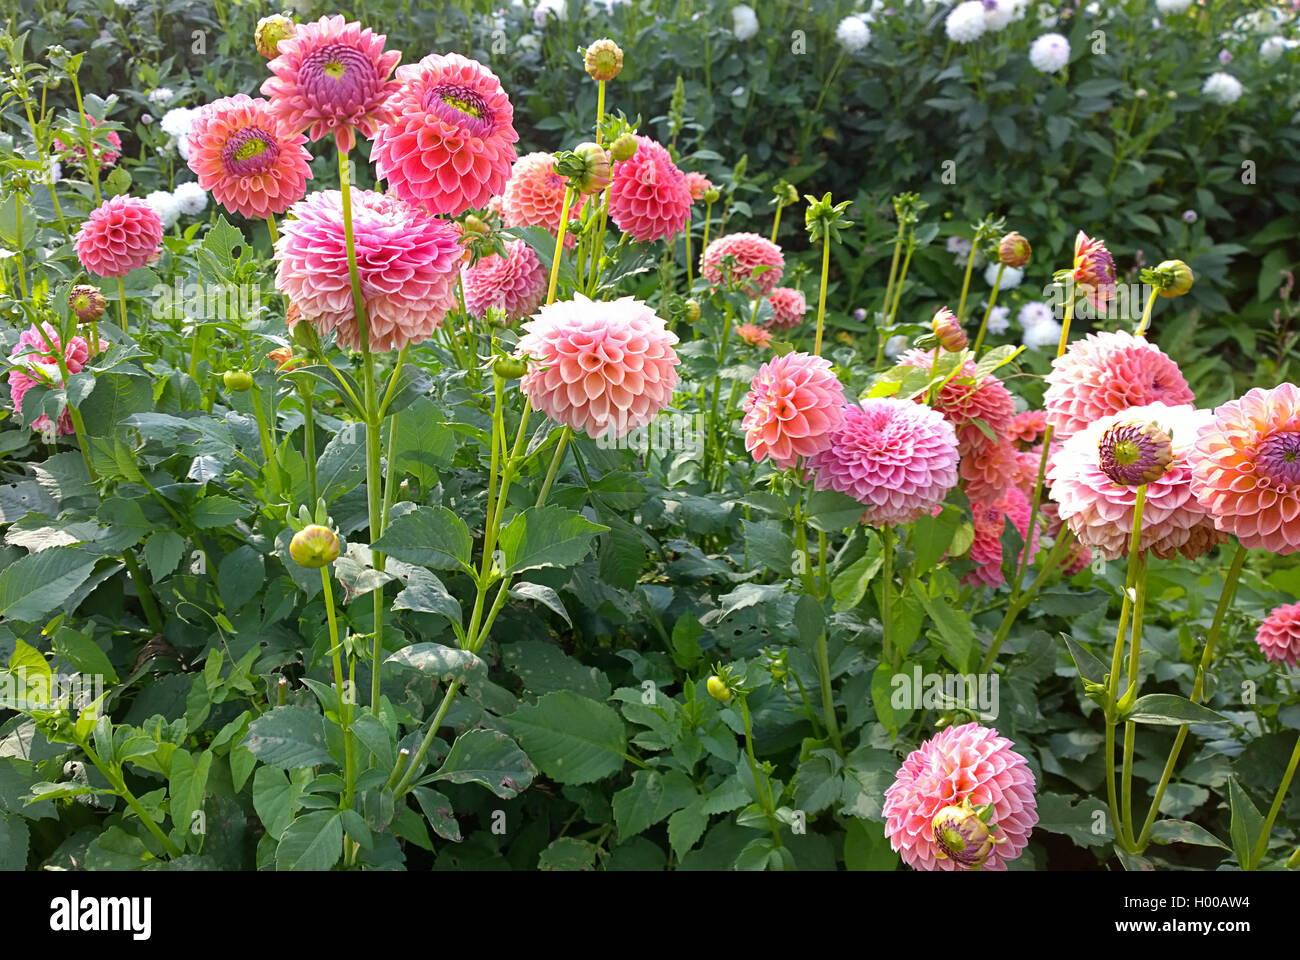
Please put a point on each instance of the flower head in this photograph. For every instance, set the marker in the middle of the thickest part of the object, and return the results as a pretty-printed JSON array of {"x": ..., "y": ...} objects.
[
  {"x": 853, "y": 34},
  {"x": 1094, "y": 270},
  {"x": 795, "y": 403},
  {"x": 966, "y": 22},
  {"x": 190, "y": 198},
  {"x": 120, "y": 235},
  {"x": 744, "y": 22},
  {"x": 698, "y": 184},
  {"x": 1279, "y": 635},
  {"x": 650, "y": 199},
  {"x": 603, "y": 60},
  {"x": 748, "y": 253},
  {"x": 988, "y": 469},
  {"x": 754, "y": 335},
  {"x": 86, "y": 303},
  {"x": 515, "y": 283},
  {"x": 1014, "y": 250},
  {"x": 990, "y": 520},
  {"x": 534, "y": 195},
  {"x": 164, "y": 204},
  {"x": 1134, "y": 452},
  {"x": 76, "y": 153},
  {"x": 788, "y": 307},
  {"x": 1049, "y": 53},
  {"x": 270, "y": 31},
  {"x": 960, "y": 834},
  {"x": 34, "y": 360},
  {"x": 964, "y": 401},
  {"x": 1028, "y": 427},
  {"x": 947, "y": 329},
  {"x": 1222, "y": 88}
]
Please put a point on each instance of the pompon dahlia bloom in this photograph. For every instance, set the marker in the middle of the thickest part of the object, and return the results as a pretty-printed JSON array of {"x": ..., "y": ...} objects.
[
  {"x": 1279, "y": 635},
  {"x": 989, "y": 469},
  {"x": 990, "y": 519},
  {"x": 516, "y": 283},
  {"x": 332, "y": 76},
  {"x": 1104, "y": 373},
  {"x": 788, "y": 307},
  {"x": 1079, "y": 559},
  {"x": 1028, "y": 427},
  {"x": 963, "y": 401},
  {"x": 408, "y": 263},
  {"x": 754, "y": 335},
  {"x": 34, "y": 360},
  {"x": 749, "y": 252},
  {"x": 1246, "y": 468},
  {"x": 452, "y": 138},
  {"x": 698, "y": 184},
  {"x": 897, "y": 458},
  {"x": 123, "y": 233},
  {"x": 76, "y": 153},
  {"x": 959, "y": 763},
  {"x": 240, "y": 154},
  {"x": 649, "y": 198},
  {"x": 599, "y": 367},
  {"x": 1100, "y": 512},
  {"x": 795, "y": 403},
  {"x": 534, "y": 194},
  {"x": 1094, "y": 270}
]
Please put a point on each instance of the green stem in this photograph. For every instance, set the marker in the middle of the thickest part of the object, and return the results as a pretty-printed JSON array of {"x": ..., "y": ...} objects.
[
  {"x": 1261, "y": 846},
  {"x": 1018, "y": 603},
  {"x": 887, "y": 593},
  {"x": 306, "y": 392},
  {"x": 1146, "y": 315},
  {"x": 147, "y": 601},
  {"x": 965, "y": 284},
  {"x": 118, "y": 782},
  {"x": 763, "y": 787},
  {"x": 345, "y": 704},
  {"x": 821, "y": 296},
  {"x": 121, "y": 306},
  {"x": 993, "y": 298},
  {"x": 559, "y": 245},
  {"x": 413, "y": 768},
  {"x": 1116, "y": 662}
]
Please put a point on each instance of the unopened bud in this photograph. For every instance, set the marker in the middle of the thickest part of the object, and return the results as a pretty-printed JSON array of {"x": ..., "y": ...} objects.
[
  {"x": 510, "y": 368},
  {"x": 1132, "y": 454},
  {"x": 237, "y": 380},
  {"x": 1173, "y": 278},
  {"x": 962, "y": 836},
  {"x": 314, "y": 546},
  {"x": 623, "y": 148},
  {"x": 604, "y": 60},
  {"x": 948, "y": 330},
  {"x": 86, "y": 302},
  {"x": 1014, "y": 250},
  {"x": 595, "y": 175},
  {"x": 692, "y": 311},
  {"x": 269, "y": 32},
  {"x": 718, "y": 689}
]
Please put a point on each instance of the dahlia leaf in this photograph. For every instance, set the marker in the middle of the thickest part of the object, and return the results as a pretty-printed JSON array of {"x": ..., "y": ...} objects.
[
  {"x": 1246, "y": 822},
  {"x": 1168, "y": 709},
  {"x": 547, "y": 536},
  {"x": 490, "y": 759},
  {"x": 571, "y": 738}
]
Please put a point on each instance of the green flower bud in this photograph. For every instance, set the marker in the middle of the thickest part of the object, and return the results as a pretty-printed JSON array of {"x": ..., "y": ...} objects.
[
  {"x": 1173, "y": 278},
  {"x": 314, "y": 547},
  {"x": 237, "y": 380},
  {"x": 604, "y": 60},
  {"x": 692, "y": 311},
  {"x": 594, "y": 176},
  {"x": 962, "y": 836},
  {"x": 510, "y": 368},
  {"x": 270, "y": 31},
  {"x": 718, "y": 689},
  {"x": 623, "y": 148}
]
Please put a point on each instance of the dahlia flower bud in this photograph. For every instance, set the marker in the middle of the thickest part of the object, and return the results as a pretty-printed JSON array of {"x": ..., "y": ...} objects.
[
  {"x": 270, "y": 31},
  {"x": 604, "y": 60},
  {"x": 785, "y": 194},
  {"x": 962, "y": 836},
  {"x": 237, "y": 380},
  {"x": 1132, "y": 454},
  {"x": 284, "y": 359},
  {"x": 947, "y": 328},
  {"x": 718, "y": 689},
  {"x": 711, "y": 195},
  {"x": 304, "y": 334},
  {"x": 314, "y": 546},
  {"x": 86, "y": 302},
  {"x": 692, "y": 311},
  {"x": 510, "y": 368},
  {"x": 1173, "y": 278},
  {"x": 1014, "y": 250},
  {"x": 473, "y": 224},
  {"x": 594, "y": 176},
  {"x": 624, "y": 148}
]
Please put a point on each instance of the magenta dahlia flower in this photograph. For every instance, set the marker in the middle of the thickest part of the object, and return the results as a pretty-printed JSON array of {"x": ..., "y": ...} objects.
[
  {"x": 963, "y": 401},
  {"x": 34, "y": 360},
  {"x": 240, "y": 154},
  {"x": 1094, "y": 270},
  {"x": 748, "y": 253},
  {"x": 332, "y": 76},
  {"x": 897, "y": 458},
  {"x": 599, "y": 367},
  {"x": 534, "y": 195},
  {"x": 452, "y": 139},
  {"x": 120, "y": 235},
  {"x": 515, "y": 283},
  {"x": 1246, "y": 468},
  {"x": 1279, "y": 635},
  {"x": 969, "y": 762},
  {"x": 408, "y": 263},
  {"x": 1104, "y": 373},
  {"x": 788, "y": 307},
  {"x": 795, "y": 403},
  {"x": 649, "y": 198},
  {"x": 76, "y": 153}
]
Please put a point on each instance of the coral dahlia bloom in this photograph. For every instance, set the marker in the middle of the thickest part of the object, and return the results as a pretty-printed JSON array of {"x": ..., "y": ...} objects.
[
  {"x": 332, "y": 76},
  {"x": 963, "y": 401},
  {"x": 698, "y": 184},
  {"x": 1104, "y": 373},
  {"x": 788, "y": 307},
  {"x": 599, "y": 367},
  {"x": 1094, "y": 270},
  {"x": 34, "y": 360},
  {"x": 452, "y": 138},
  {"x": 898, "y": 458},
  {"x": 1028, "y": 427},
  {"x": 240, "y": 154},
  {"x": 754, "y": 335},
  {"x": 795, "y": 403},
  {"x": 649, "y": 198},
  {"x": 76, "y": 153},
  {"x": 1100, "y": 512},
  {"x": 408, "y": 263},
  {"x": 959, "y": 763},
  {"x": 989, "y": 520},
  {"x": 120, "y": 235},
  {"x": 515, "y": 283},
  {"x": 749, "y": 252},
  {"x": 534, "y": 195},
  {"x": 1246, "y": 468},
  {"x": 1279, "y": 635},
  {"x": 989, "y": 469}
]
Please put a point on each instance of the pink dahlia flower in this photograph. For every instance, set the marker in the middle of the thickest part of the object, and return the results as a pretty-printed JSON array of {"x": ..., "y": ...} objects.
[
  {"x": 748, "y": 251},
  {"x": 1279, "y": 635},
  {"x": 988, "y": 470},
  {"x": 990, "y": 520},
  {"x": 534, "y": 195},
  {"x": 963, "y": 401},
  {"x": 76, "y": 153},
  {"x": 515, "y": 283},
  {"x": 1104, "y": 373},
  {"x": 122, "y": 234},
  {"x": 34, "y": 360},
  {"x": 649, "y": 198},
  {"x": 408, "y": 263},
  {"x": 241, "y": 156},
  {"x": 959, "y": 763},
  {"x": 599, "y": 367},
  {"x": 1078, "y": 560},
  {"x": 1028, "y": 427},
  {"x": 452, "y": 139},
  {"x": 332, "y": 76},
  {"x": 698, "y": 184},
  {"x": 1246, "y": 468},
  {"x": 788, "y": 307},
  {"x": 1094, "y": 270},
  {"x": 1100, "y": 512},
  {"x": 795, "y": 403},
  {"x": 754, "y": 335},
  {"x": 898, "y": 458}
]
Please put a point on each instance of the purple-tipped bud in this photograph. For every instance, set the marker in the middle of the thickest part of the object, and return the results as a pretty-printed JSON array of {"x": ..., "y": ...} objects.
[
  {"x": 86, "y": 302},
  {"x": 962, "y": 836},
  {"x": 1014, "y": 250},
  {"x": 948, "y": 331}
]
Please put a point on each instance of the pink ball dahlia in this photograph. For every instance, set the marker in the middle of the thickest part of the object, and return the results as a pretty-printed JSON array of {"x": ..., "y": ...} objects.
[
  {"x": 599, "y": 367},
  {"x": 515, "y": 283},
  {"x": 748, "y": 252},
  {"x": 34, "y": 361},
  {"x": 698, "y": 184},
  {"x": 788, "y": 307},
  {"x": 795, "y": 403},
  {"x": 122, "y": 234},
  {"x": 990, "y": 520},
  {"x": 534, "y": 195},
  {"x": 1246, "y": 468},
  {"x": 1104, "y": 373},
  {"x": 898, "y": 458},
  {"x": 1094, "y": 270},
  {"x": 76, "y": 153},
  {"x": 452, "y": 139},
  {"x": 754, "y": 335},
  {"x": 332, "y": 76},
  {"x": 649, "y": 199},
  {"x": 408, "y": 263},
  {"x": 959, "y": 763},
  {"x": 240, "y": 154},
  {"x": 963, "y": 401},
  {"x": 1279, "y": 635},
  {"x": 1100, "y": 512}
]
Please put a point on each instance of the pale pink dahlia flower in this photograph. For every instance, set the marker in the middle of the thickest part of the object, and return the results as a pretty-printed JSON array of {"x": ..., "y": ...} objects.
[
  {"x": 76, "y": 153},
  {"x": 698, "y": 184},
  {"x": 749, "y": 252},
  {"x": 408, "y": 263},
  {"x": 897, "y": 458},
  {"x": 1100, "y": 512},
  {"x": 788, "y": 307},
  {"x": 35, "y": 361},
  {"x": 795, "y": 403},
  {"x": 534, "y": 195},
  {"x": 240, "y": 154},
  {"x": 1279, "y": 635},
  {"x": 515, "y": 283},
  {"x": 1104, "y": 373},
  {"x": 120, "y": 235},
  {"x": 1246, "y": 468},
  {"x": 452, "y": 139},
  {"x": 963, "y": 401},
  {"x": 332, "y": 76},
  {"x": 599, "y": 367},
  {"x": 649, "y": 198},
  {"x": 959, "y": 763},
  {"x": 1094, "y": 270},
  {"x": 1028, "y": 427}
]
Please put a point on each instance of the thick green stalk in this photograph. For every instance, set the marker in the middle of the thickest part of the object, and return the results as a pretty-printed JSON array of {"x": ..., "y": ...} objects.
[
  {"x": 1146, "y": 315},
  {"x": 1116, "y": 662},
  {"x": 993, "y": 298},
  {"x": 965, "y": 284},
  {"x": 889, "y": 292},
  {"x": 821, "y": 296},
  {"x": 1261, "y": 846},
  {"x": 763, "y": 787},
  {"x": 344, "y": 691},
  {"x": 887, "y": 593},
  {"x": 404, "y": 785}
]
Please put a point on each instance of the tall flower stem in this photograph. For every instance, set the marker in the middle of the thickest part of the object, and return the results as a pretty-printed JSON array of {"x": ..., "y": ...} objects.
[
  {"x": 1018, "y": 603},
  {"x": 993, "y": 298},
  {"x": 713, "y": 440},
  {"x": 965, "y": 284},
  {"x": 776, "y": 220},
  {"x": 1116, "y": 662},
  {"x": 761, "y": 784},
  {"x": 559, "y": 244},
  {"x": 113, "y": 774},
  {"x": 1261, "y": 845},
  {"x": 708, "y": 219},
  {"x": 1146, "y": 315},
  {"x": 345, "y": 700},
  {"x": 306, "y": 391},
  {"x": 821, "y": 296},
  {"x": 887, "y": 593},
  {"x": 1130, "y": 728},
  {"x": 121, "y": 306},
  {"x": 889, "y": 292}
]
